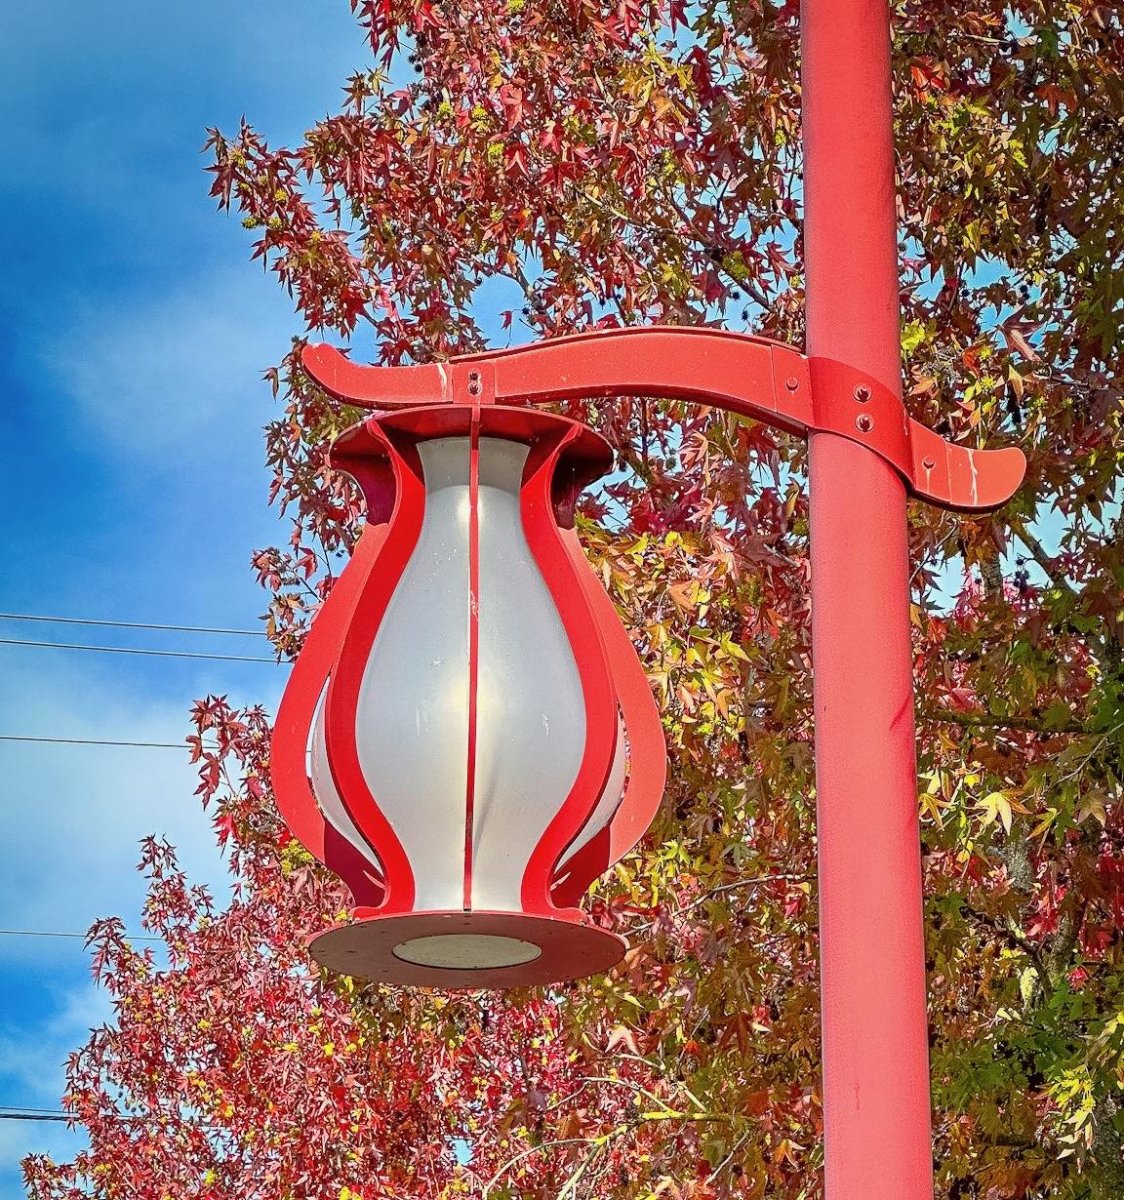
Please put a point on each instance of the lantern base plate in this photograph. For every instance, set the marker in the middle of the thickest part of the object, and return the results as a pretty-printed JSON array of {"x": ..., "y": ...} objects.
[{"x": 467, "y": 949}]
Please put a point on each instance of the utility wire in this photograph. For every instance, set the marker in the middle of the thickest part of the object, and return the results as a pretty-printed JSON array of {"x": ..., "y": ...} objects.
[
  {"x": 11, "y": 737},
  {"x": 32, "y": 1114},
  {"x": 136, "y": 650},
  {"x": 129, "y": 937},
  {"x": 127, "y": 624},
  {"x": 66, "y": 741}
]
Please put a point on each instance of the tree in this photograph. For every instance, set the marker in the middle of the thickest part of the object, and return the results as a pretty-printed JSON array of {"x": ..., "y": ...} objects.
[{"x": 619, "y": 163}]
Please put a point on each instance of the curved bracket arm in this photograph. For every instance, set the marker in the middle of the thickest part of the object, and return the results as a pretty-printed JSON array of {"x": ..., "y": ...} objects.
[{"x": 751, "y": 377}]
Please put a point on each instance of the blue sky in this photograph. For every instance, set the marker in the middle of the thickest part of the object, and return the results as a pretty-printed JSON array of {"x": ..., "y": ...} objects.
[{"x": 134, "y": 333}]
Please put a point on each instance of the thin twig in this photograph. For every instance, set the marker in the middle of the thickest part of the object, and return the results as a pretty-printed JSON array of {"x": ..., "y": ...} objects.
[
  {"x": 755, "y": 881},
  {"x": 526, "y": 1154},
  {"x": 1007, "y": 929},
  {"x": 1049, "y": 567},
  {"x": 971, "y": 720}
]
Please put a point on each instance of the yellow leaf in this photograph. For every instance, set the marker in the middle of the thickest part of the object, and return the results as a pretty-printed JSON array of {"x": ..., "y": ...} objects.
[
  {"x": 931, "y": 806},
  {"x": 996, "y": 804}
]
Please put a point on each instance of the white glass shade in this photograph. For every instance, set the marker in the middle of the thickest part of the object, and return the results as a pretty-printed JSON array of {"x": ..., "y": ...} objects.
[{"x": 413, "y": 712}]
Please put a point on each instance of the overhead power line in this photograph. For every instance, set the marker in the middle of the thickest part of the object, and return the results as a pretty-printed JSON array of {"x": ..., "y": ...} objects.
[
  {"x": 52, "y": 933},
  {"x": 70, "y": 741},
  {"x": 138, "y": 650},
  {"x": 128, "y": 624},
  {"x": 63, "y": 741},
  {"x": 32, "y": 1114}
]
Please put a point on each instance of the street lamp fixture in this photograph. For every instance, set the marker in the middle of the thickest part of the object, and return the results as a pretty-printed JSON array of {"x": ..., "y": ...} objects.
[{"x": 482, "y": 738}]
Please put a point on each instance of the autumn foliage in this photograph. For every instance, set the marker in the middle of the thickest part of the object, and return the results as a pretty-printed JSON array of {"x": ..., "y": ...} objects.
[{"x": 572, "y": 163}]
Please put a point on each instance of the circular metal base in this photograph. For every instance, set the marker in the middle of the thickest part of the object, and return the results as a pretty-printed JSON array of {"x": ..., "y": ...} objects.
[{"x": 467, "y": 949}]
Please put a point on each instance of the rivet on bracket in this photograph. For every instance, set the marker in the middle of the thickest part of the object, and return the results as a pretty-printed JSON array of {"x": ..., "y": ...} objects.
[
  {"x": 864, "y": 423},
  {"x": 862, "y": 393}
]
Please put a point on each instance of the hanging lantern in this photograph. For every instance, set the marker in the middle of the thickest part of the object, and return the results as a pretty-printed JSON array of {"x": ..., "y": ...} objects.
[{"x": 480, "y": 735}]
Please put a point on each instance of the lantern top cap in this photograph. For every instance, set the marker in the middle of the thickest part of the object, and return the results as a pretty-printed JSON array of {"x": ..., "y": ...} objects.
[{"x": 586, "y": 453}]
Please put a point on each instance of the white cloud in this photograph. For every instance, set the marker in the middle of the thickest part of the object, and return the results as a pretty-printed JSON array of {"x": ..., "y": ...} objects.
[
  {"x": 33, "y": 1052},
  {"x": 74, "y": 815},
  {"x": 156, "y": 376}
]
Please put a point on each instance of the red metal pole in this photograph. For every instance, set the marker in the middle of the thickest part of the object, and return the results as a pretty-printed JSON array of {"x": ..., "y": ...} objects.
[{"x": 875, "y": 1044}]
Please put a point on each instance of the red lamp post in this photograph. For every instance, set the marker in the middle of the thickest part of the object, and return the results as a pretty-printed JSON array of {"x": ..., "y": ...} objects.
[
  {"x": 466, "y": 854},
  {"x": 877, "y": 1138}
]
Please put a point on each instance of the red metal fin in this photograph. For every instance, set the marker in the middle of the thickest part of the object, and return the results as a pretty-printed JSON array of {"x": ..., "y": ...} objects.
[
  {"x": 565, "y": 585},
  {"x": 347, "y": 675},
  {"x": 296, "y": 713},
  {"x": 647, "y": 750}
]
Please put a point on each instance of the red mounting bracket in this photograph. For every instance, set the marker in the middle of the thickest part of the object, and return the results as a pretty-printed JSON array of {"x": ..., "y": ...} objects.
[{"x": 751, "y": 377}]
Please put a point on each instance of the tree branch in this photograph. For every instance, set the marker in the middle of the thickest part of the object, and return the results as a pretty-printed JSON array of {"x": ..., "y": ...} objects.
[
  {"x": 1013, "y": 935},
  {"x": 1049, "y": 567},
  {"x": 755, "y": 881},
  {"x": 971, "y": 720}
]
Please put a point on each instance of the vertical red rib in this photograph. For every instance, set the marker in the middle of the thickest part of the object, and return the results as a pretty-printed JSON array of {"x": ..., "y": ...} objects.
[{"x": 473, "y": 645}]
